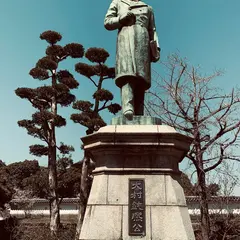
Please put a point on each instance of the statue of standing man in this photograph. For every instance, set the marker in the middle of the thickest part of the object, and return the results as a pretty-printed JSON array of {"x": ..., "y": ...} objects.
[{"x": 137, "y": 47}]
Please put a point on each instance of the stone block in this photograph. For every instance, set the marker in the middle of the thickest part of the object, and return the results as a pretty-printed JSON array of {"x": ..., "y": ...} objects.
[
  {"x": 166, "y": 129},
  {"x": 171, "y": 223},
  {"x": 154, "y": 189},
  {"x": 117, "y": 189},
  {"x": 174, "y": 191},
  {"x": 102, "y": 223},
  {"x": 137, "y": 161},
  {"x": 98, "y": 193},
  {"x": 107, "y": 129},
  {"x": 109, "y": 161}
]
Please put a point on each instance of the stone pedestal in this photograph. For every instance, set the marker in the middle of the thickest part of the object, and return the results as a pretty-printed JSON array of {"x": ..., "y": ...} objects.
[{"x": 148, "y": 152}]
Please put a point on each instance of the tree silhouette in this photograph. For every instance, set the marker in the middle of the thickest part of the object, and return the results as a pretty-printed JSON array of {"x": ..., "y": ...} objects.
[
  {"x": 89, "y": 115},
  {"x": 46, "y": 99}
]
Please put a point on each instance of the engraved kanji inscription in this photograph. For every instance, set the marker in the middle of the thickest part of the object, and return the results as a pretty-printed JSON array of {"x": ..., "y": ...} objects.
[{"x": 136, "y": 206}]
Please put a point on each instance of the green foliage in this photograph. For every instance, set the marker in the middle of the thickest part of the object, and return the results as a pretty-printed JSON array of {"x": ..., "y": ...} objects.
[
  {"x": 213, "y": 189},
  {"x": 192, "y": 189},
  {"x": 51, "y": 37},
  {"x": 47, "y": 63},
  {"x": 103, "y": 95},
  {"x": 69, "y": 182},
  {"x": 65, "y": 149},
  {"x": 37, "y": 183},
  {"x": 45, "y": 98},
  {"x": 24, "y": 92},
  {"x": 18, "y": 171},
  {"x": 92, "y": 121},
  {"x": 38, "y": 150},
  {"x": 39, "y": 73},
  {"x": 63, "y": 74},
  {"x": 29, "y": 177},
  {"x": 84, "y": 106},
  {"x": 85, "y": 69},
  {"x": 41, "y": 117},
  {"x": 59, "y": 121},
  {"x": 64, "y": 162},
  {"x": 114, "y": 108},
  {"x": 70, "y": 82},
  {"x": 89, "y": 115},
  {"x": 69, "y": 177},
  {"x": 97, "y": 55},
  {"x": 6, "y": 187},
  {"x": 187, "y": 186},
  {"x": 63, "y": 96},
  {"x": 32, "y": 129},
  {"x": 39, "y": 231},
  {"x": 104, "y": 71},
  {"x": 2, "y": 163},
  {"x": 55, "y": 50},
  {"x": 74, "y": 50}
]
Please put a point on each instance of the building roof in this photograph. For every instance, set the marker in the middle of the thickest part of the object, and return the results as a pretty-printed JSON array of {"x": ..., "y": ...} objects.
[
  {"x": 43, "y": 200},
  {"x": 189, "y": 199},
  {"x": 214, "y": 199}
]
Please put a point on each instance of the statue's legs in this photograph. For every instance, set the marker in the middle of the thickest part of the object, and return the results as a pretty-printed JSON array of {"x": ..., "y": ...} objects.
[
  {"x": 138, "y": 100},
  {"x": 132, "y": 99},
  {"x": 127, "y": 100}
]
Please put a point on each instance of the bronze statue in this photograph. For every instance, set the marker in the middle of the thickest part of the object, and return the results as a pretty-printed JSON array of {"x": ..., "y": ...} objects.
[{"x": 137, "y": 47}]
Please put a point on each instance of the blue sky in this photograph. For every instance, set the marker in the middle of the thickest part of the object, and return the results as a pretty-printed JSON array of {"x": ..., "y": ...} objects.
[{"x": 207, "y": 32}]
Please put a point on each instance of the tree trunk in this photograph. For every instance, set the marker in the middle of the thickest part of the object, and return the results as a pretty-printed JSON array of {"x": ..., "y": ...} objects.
[
  {"x": 52, "y": 166},
  {"x": 54, "y": 214},
  {"x": 205, "y": 222},
  {"x": 84, "y": 193}
]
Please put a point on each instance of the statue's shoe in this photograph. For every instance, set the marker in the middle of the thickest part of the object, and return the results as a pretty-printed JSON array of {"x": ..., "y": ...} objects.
[{"x": 128, "y": 114}]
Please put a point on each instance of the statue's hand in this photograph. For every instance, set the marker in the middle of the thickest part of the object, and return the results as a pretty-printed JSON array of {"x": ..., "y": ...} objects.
[
  {"x": 127, "y": 19},
  {"x": 156, "y": 58}
]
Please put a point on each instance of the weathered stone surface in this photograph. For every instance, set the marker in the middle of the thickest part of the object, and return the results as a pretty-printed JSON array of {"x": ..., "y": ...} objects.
[
  {"x": 155, "y": 190},
  {"x": 171, "y": 223},
  {"x": 102, "y": 222},
  {"x": 174, "y": 191},
  {"x": 117, "y": 192},
  {"x": 117, "y": 189},
  {"x": 98, "y": 193}
]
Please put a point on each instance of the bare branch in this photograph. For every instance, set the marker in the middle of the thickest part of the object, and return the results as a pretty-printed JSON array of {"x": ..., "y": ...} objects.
[{"x": 93, "y": 81}]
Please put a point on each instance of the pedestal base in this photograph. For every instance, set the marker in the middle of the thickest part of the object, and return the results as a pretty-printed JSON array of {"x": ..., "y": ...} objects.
[
  {"x": 150, "y": 153},
  {"x": 167, "y": 215}
]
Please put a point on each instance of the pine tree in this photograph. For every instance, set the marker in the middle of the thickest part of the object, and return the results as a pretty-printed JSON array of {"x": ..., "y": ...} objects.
[
  {"x": 46, "y": 99},
  {"x": 89, "y": 115}
]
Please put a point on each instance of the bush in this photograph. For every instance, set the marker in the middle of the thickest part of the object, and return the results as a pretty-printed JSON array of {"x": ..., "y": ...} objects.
[
  {"x": 6, "y": 228},
  {"x": 41, "y": 231},
  {"x": 223, "y": 227}
]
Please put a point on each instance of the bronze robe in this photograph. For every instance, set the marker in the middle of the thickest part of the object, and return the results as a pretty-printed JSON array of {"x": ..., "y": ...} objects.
[{"x": 133, "y": 57}]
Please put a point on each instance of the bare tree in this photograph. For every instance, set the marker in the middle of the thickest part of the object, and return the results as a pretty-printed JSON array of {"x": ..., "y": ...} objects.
[
  {"x": 192, "y": 103},
  {"x": 228, "y": 177}
]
